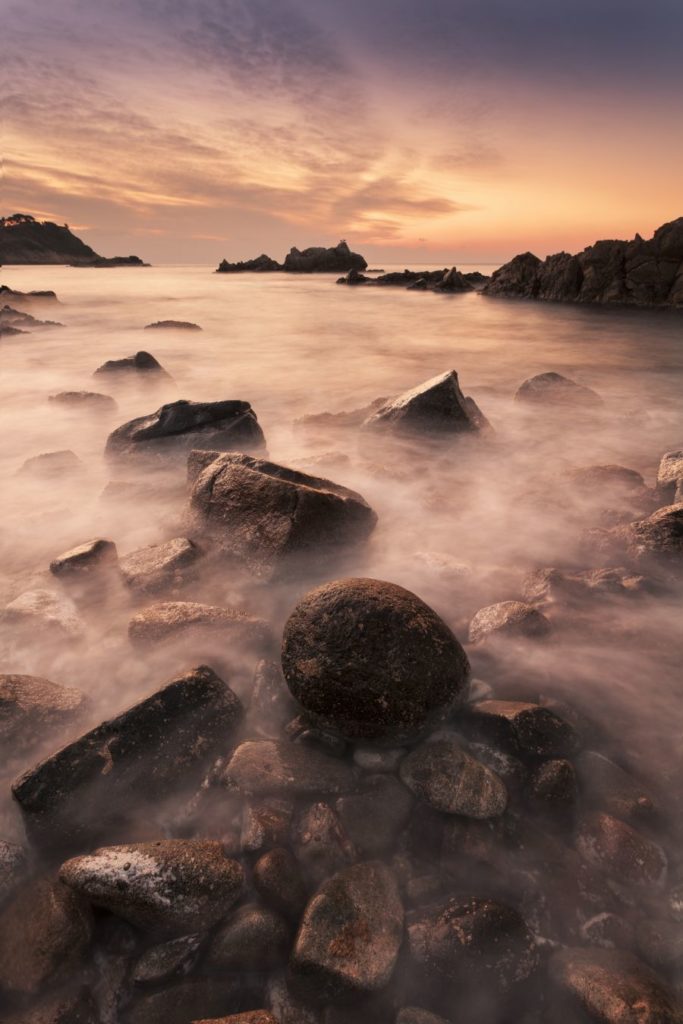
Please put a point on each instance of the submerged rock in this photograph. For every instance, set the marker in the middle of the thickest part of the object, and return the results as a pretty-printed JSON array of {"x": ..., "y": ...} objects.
[
  {"x": 269, "y": 767},
  {"x": 167, "y": 959},
  {"x": 13, "y": 864},
  {"x": 269, "y": 517},
  {"x": 253, "y": 938},
  {"x": 372, "y": 660},
  {"x": 508, "y": 619},
  {"x": 173, "y": 325},
  {"x": 198, "y": 627},
  {"x": 34, "y": 709},
  {"x": 54, "y": 616},
  {"x": 278, "y": 880},
  {"x": 620, "y": 851},
  {"x": 451, "y": 781},
  {"x": 84, "y": 399},
  {"x": 555, "y": 390},
  {"x": 373, "y": 818},
  {"x": 159, "y": 566},
  {"x": 51, "y": 464},
  {"x": 141, "y": 362},
  {"x": 171, "y": 886},
  {"x": 437, "y": 407},
  {"x": 181, "y": 426},
  {"x": 608, "y": 786},
  {"x": 549, "y": 587}
]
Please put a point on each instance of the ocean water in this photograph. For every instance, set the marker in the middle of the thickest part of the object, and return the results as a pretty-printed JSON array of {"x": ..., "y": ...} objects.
[{"x": 460, "y": 527}]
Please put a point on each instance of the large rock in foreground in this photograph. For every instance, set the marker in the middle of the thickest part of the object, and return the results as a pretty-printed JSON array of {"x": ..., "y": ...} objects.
[
  {"x": 437, "y": 407},
  {"x": 371, "y": 660},
  {"x": 349, "y": 936},
  {"x": 267, "y": 516},
  {"x": 182, "y": 426},
  {"x": 129, "y": 761},
  {"x": 636, "y": 273}
]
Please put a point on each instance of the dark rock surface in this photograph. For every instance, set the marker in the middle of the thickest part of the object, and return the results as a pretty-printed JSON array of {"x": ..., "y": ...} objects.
[
  {"x": 253, "y": 938},
  {"x": 656, "y": 542},
  {"x": 23, "y": 239},
  {"x": 437, "y": 407},
  {"x": 259, "y": 264},
  {"x": 91, "y": 557},
  {"x": 278, "y": 880},
  {"x": 446, "y": 280},
  {"x": 266, "y": 767},
  {"x": 635, "y": 273},
  {"x": 607, "y": 785},
  {"x": 344, "y": 658},
  {"x": 167, "y": 960},
  {"x": 508, "y": 619},
  {"x": 444, "y": 776},
  {"x": 180, "y": 426},
  {"x": 141, "y": 362},
  {"x": 335, "y": 260},
  {"x": 525, "y": 729},
  {"x": 621, "y": 851},
  {"x": 553, "y": 389},
  {"x": 13, "y": 865},
  {"x": 549, "y": 587},
  {"x": 15, "y": 321},
  {"x": 670, "y": 473},
  {"x": 373, "y": 818},
  {"x": 20, "y": 299}
]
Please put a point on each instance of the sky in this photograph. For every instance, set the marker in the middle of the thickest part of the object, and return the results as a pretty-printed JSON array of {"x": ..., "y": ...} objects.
[{"x": 436, "y": 131}]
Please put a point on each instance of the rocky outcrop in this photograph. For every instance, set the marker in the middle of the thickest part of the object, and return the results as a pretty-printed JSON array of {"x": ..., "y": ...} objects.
[
  {"x": 446, "y": 280},
  {"x": 437, "y": 408},
  {"x": 259, "y": 265},
  {"x": 636, "y": 273},
  {"x": 25, "y": 240},
  {"x": 337, "y": 259}
]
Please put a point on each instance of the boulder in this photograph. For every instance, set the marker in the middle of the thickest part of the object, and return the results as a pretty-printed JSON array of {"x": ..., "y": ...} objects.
[
  {"x": 269, "y": 518},
  {"x": 508, "y": 620},
  {"x": 548, "y": 587},
  {"x": 278, "y": 767},
  {"x": 141, "y": 362},
  {"x": 669, "y": 474},
  {"x": 319, "y": 843},
  {"x": 51, "y": 464},
  {"x": 318, "y": 260},
  {"x": 555, "y": 390},
  {"x": 607, "y": 786},
  {"x": 522, "y": 728},
  {"x": 278, "y": 880},
  {"x": 436, "y": 408},
  {"x": 166, "y": 960},
  {"x": 349, "y": 937},
  {"x": 172, "y": 325},
  {"x": 128, "y": 762},
  {"x": 253, "y": 938},
  {"x": 373, "y": 818},
  {"x": 168, "y": 887},
  {"x": 622, "y": 852},
  {"x": 43, "y": 612},
  {"x": 552, "y": 784},
  {"x": 84, "y": 400},
  {"x": 180, "y": 426},
  {"x": 371, "y": 660},
  {"x": 451, "y": 781},
  {"x": 189, "y": 1000},
  {"x": 199, "y": 627},
  {"x": 90, "y": 557},
  {"x": 657, "y": 541},
  {"x": 265, "y": 823},
  {"x": 33, "y": 710},
  {"x": 159, "y": 566}
]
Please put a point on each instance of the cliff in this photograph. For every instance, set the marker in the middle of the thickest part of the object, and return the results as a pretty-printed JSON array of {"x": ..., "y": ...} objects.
[{"x": 25, "y": 240}]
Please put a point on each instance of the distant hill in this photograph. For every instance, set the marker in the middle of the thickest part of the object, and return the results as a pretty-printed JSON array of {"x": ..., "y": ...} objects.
[{"x": 23, "y": 239}]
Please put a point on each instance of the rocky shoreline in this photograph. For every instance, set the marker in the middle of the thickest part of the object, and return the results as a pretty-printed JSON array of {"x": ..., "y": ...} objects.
[{"x": 24, "y": 240}]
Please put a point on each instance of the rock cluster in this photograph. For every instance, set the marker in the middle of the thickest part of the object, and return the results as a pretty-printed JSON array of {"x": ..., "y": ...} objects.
[
  {"x": 314, "y": 260},
  {"x": 447, "y": 280}
]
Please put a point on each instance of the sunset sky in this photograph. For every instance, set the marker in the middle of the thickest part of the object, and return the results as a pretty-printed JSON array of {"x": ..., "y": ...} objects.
[{"x": 444, "y": 131}]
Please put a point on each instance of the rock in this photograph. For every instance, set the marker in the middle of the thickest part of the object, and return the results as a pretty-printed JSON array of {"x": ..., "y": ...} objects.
[
  {"x": 25, "y": 240},
  {"x": 141, "y": 362},
  {"x": 265, "y": 823},
  {"x": 253, "y": 938},
  {"x": 349, "y": 937},
  {"x": 269, "y": 767},
  {"x": 657, "y": 541},
  {"x": 472, "y": 942},
  {"x": 17, "y": 298},
  {"x": 51, "y": 464},
  {"x": 608, "y": 931},
  {"x": 548, "y": 587},
  {"x": 373, "y": 818},
  {"x": 199, "y": 626},
  {"x": 620, "y": 851},
  {"x": 553, "y": 784},
  {"x": 378, "y": 759},
  {"x": 607, "y": 786},
  {"x": 415, "y": 1015},
  {"x": 173, "y": 325},
  {"x": 449, "y": 780},
  {"x": 90, "y": 557},
  {"x": 508, "y": 620},
  {"x": 339, "y": 420},
  {"x": 617, "y": 482},
  {"x": 660, "y": 943},
  {"x": 435, "y": 408},
  {"x": 259, "y": 265},
  {"x": 169, "y": 887},
  {"x": 43, "y": 612},
  {"x": 44, "y": 934},
  {"x": 269, "y": 517},
  {"x": 555, "y": 390},
  {"x": 403, "y": 671},
  {"x": 278, "y": 880},
  {"x": 128, "y": 762},
  {"x": 32, "y": 710},
  {"x": 669, "y": 474},
  {"x": 167, "y": 960},
  {"x": 611, "y": 987},
  {"x": 304, "y": 729},
  {"x": 250, "y": 1017},
  {"x": 159, "y": 566},
  {"x": 180, "y": 426},
  {"x": 12, "y": 321},
  {"x": 73, "y": 1005},
  {"x": 318, "y": 260},
  {"x": 12, "y": 868},
  {"x": 320, "y": 844},
  {"x": 525, "y": 729},
  {"x": 188, "y": 1000},
  {"x": 85, "y": 399}
]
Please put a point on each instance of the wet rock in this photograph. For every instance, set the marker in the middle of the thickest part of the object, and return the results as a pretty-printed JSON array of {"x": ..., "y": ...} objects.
[
  {"x": 159, "y": 566},
  {"x": 669, "y": 474},
  {"x": 128, "y": 761},
  {"x": 448, "y": 779},
  {"x": 84, "y": 400},
  {"x": 268, "y": 517},
  {"x": 612, "y": 987},
  {"x": 167, "y": 960},
  {"x": 373, "y": 818},
  {"x": 350, "y": 935},
  {"x": 304, "y": 729},
  {"x": 189, "y": 1000},
  {"x": 278, "y": 880},
  {"x": 525, "y": 729},
  {"x": 605, "y": 785},
  {"x": 141, "y": 362},
  {"x": 12, "y": 868},
  {"x": 508, "y": 619},
  {"x": 199, "y": 625},
  {"x": 170, "y": 887},
  {"x": 270, "y": 767},
  {"x": 657, "y": 541},
  {"x": 51, "y": 464},
  {"x": 45, "y": 613},
  {"x": 548, "y": 587},
  {"x": 608, "y": 931},
  {"x": 253, "y": 938},
  {"x": 623, "y": 853},
  {"x": 553, "y": 784},
  {"x": 265, "y": 823},
  {"x": 44, "y": 934},
  {"x": 437, "y": 407},
  {"x": 555, "y": 390},
  {"x": 179, "y": 427},
  {"x": 173, "y": 325},
  {"x": 320, "y": 844},
  {"x": 34, "y": 709},
  {"x": 371, "y": 660},
  {"x": 90, "y": 557}
]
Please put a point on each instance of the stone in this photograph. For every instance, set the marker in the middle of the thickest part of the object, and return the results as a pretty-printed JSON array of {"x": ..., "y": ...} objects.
[
  {"x": 45, "y": 613},
  {"x": 178, "y": 427},
  {"x": 197, "y": 625},
  {"x": 320, "y": 844},
  {"x": 249, "y": 1017},
  {"x": 669, "y": 473},
  {"x": 167, "y": 960},
  {"x": 141, "y": 362},
  {"x": 373, "y": 818},
  {"x": 90, "y": 557},
  {"x": 32, "y": 710},
  {"x": 508, "y": 620},
  {"x": 272, "y": 767},
  {"x": 44, "y": 934},
  {"x": 622, "y": 852},
  {"x": 253, "y": 938},
  {"x": 548, "y": 587},
  {"x": 378, "y": 759},
  {"x": 610, "y": 480},
  {"x": 92, "y": 400},
  {"x": 523, "y": 728},
  {"x": 416, "y": 1015},
  {"x": 555, "y": 390},
  {"x": 270, "y": 518},
  {"x": 51, "y": 464},
  {"x": 13, "y": 865},
  {"x": 159, "y": 566},
  {"x": 345, "y": 659},
  {"x": 553, "y": 784},
  {"x": 189, "y": 1000},
  {"x": 173, "y": 325},
  {"x": 350, "y": 935},
  {"x": 167, "y": 887},
  {"x": 612, "y": 987},
  {"x": 71, "y": 1005},
  {"x": 278, "y": 880},
  {"x": 440, "y": 773},
  {"x": 128, "y": 762},
  {"x": 657, "y": 541},
  {"x": 435, "y": 408},
  {"x": 265, "y": 823},
  {"x": 607, "y": 786}
]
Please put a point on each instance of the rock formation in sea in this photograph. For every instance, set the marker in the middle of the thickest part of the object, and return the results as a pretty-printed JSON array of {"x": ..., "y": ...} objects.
[
  {"x": 637, "y": 273},
  {"x": 23, "y": 239},
  {"x": 337, "y": 259},
  {"x": 446, "y": 280}
]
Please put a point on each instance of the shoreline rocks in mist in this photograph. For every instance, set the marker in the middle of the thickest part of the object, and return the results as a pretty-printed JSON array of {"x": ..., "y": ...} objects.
[
  {"x": 636, "y": 273},
  {"x": 25, "y": 240},
  {"x": 16, "y": 298},
  {"x": 436, "y": 407},
  {"x": 314, "y": 260},
  {"x": 14, "y": 321}
]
